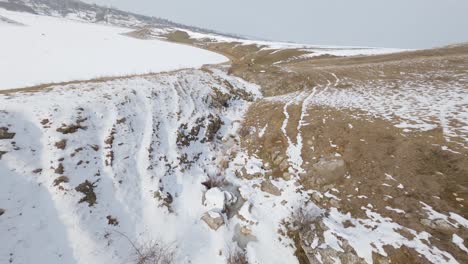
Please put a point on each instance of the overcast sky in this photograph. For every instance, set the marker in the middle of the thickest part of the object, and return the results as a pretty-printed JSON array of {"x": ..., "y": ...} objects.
[{"x": 384, "y": 23}]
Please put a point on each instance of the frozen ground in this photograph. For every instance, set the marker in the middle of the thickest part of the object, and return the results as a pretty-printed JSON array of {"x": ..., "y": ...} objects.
[
  {"x": 47, "y": 49},
  {"x": 414, "y": 103}
]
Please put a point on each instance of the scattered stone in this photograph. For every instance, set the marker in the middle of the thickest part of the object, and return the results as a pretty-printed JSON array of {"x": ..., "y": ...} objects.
[
  {"x": 267, "y": 186},
  {"x": 317, "y": 197},
  {"x": 2, "y": 211},
  {"x": 2, "y": 153},
  {"x": 278, "y": 159},
  {"x": 438, "y": 224},
  {"x": 59, "y": 169},
  {"x": 214, "y": 124},
  {"x": 284, "y": 165},
  {"x": 87, "y": 188},
  {"x": 70, "y": 129},
  {"x": 218, "y": 199},
  {"x": 95, "y": 147},
  {"x": 213, "y": 219},
  {"x": 164, "y": 197},
  {"x": 4, "y": 134},
  {"x": 287, "y": 176},
  {"x": 37, "y": 171},
  {"x": 62, "y": 144},
  {"x": 245, "y": 231},
  {"x": 112, "y": 220},
  {"x": 61, "y": 179},
  {"x": 327, "y": 170},
  {"x": 335, "y": 203},
  {"x": 220, "y": 99},
  {"x": 122, "y": 120}
]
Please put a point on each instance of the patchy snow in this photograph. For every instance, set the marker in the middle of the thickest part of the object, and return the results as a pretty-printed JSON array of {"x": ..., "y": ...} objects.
[
  {"x": 294, "y": 150},
  {"x": 459, "y": 242},
  {"x": 48, "y": 49},
  {"x": 261, "y": 133},
  {"x": 368, "y": 236},
  {"x": 457, "y": 220},
  {"x": 314, "y": 50},
  {"x": 415, "y": 104},
  {"x": 395, "y": 210},
  {"x": 390, "y": 177}
]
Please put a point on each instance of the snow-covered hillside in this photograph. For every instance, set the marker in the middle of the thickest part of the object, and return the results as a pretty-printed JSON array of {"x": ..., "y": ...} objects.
[
  {"x": 291, "y": 153},
  {"x": 90, "y": 161},
  {"x": 40, "y": 49}
]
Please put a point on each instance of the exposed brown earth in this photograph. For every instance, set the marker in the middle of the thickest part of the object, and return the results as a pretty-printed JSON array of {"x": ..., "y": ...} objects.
[{"x": 363, "y": 149}]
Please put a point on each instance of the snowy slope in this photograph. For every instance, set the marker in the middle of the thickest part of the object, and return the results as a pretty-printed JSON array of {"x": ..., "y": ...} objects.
[
  {"x": 48, "y": 49},
  {"x": 128, "y": 145}
]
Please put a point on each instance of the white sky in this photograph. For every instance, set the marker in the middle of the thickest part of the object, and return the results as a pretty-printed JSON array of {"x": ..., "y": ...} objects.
[{"x": 384, "y": 23}]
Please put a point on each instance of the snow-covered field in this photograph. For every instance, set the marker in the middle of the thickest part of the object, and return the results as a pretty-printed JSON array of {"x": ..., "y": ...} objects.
[{"x": 46, "y": 49}]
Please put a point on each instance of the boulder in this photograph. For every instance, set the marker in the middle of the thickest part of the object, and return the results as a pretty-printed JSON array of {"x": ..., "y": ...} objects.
[
  {"x": 329, "y": 169},
  {"x": 216, "y": 198},
  {"x": 213, "y": 219},
  {"x": 4, "y": 134},
  {"x": 269, "y": 187}
]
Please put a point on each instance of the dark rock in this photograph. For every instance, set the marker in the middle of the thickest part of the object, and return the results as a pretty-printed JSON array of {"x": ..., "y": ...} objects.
[
  {"x": 61, "y": 179},
  {"x": 62, "y": 144},
  {"x": 4, "y": 134},
  {"x": 112, "y": 220},
  {"x": 87, "y": 188},
  {"x": 59, "y": 169}
]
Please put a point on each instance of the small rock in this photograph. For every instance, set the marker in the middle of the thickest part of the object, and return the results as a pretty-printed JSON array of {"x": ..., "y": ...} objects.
[
  {"x": 335, "y": 203},
  {"x": 4, "y": 134},
  {"x": 2, "y": 153},
  {"x": 62, "y": 144},
  {"x": 287, "y": 176},
  {"x": 267, "y": 186},
  {"x": 59, "y": 169},
  {"x": 329, "y": 169},
  {"x": 245, "y": 231},
  {"x": 437, "y": 224},
  {"x": 213, "y": 219},
  {"x": 277, "y": 158},
  {"x": 36, "y": 171},
  {"x": 164, "y": 197},
  {"x": 2, "y": 211},
  {"x": 316, "y": 197},
  {"x": 112, "y": 220},
  {"x": 284, "y": 165},
  {"x": 61, "y": 179}
]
